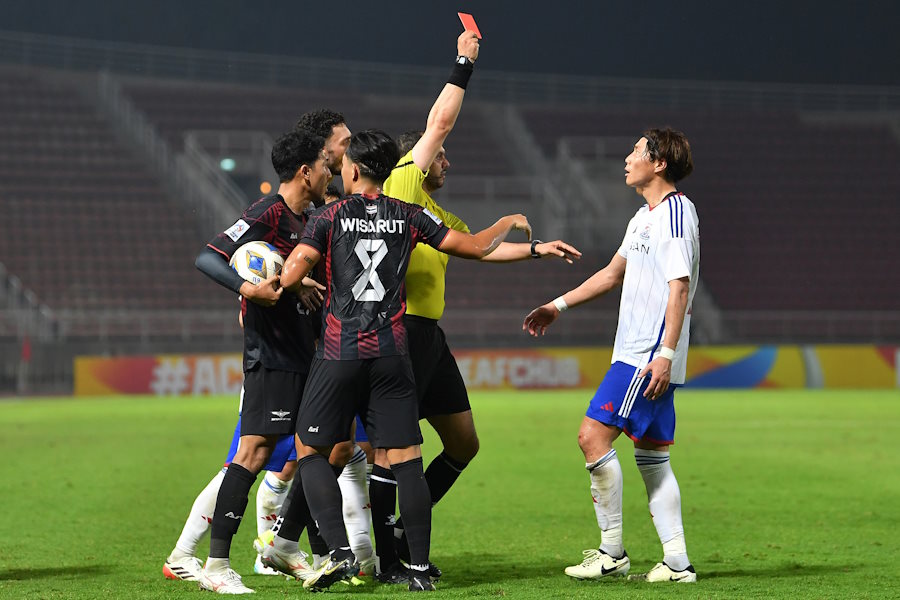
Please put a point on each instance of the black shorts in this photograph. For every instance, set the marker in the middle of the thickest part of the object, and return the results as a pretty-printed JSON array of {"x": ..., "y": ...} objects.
[
  {"x": 380, "y": 390},
  {"x": 439, "y": 384},
  {"x": 270, "y": 401}
]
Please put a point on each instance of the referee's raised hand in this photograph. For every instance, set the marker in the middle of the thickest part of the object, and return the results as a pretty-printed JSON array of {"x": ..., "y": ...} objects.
[{"x": 467, "y": 45}]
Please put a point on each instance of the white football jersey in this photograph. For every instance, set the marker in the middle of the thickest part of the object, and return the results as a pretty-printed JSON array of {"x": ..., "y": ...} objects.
[{"x": 660, "y": 245}]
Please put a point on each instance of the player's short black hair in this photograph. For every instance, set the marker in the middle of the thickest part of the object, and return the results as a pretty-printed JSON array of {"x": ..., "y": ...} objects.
[
  {"x": 332, "y": 190},
  {"x": 407, "y": 140},
  {"x": 293, "y": 150},
  {"x": 374, "y": 152},
  {"x": 320, "y": 122},
  {"x": 673, "y": 147}
]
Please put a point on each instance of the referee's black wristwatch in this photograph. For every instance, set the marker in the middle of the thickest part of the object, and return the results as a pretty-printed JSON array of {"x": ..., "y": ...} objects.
[{"x": 534, "y": 253}]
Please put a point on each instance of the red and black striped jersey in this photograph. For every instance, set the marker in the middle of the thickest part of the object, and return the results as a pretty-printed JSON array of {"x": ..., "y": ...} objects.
[
  {"x": 280, "y": 337},
  {"x": 365, "y": 242}
]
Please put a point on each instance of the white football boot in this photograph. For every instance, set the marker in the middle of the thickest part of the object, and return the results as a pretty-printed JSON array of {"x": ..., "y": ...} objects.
[
  {"x": 226, "y": 581},
  {"x": 293, "y": 564},
  {"x": 260, "y": 569},
  {"x": 598, "y": 564},
  {"x": 186, "y": 568},
  {"x": 662, "y": 572}
]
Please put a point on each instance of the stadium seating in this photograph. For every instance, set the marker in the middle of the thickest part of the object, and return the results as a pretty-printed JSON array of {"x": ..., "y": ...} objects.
[
  {"x": 794, "y": 214},
  {"x": 175, "y": 108},
  {"x": 86, "y": 224},
  {"x": 791, "y": 215}
]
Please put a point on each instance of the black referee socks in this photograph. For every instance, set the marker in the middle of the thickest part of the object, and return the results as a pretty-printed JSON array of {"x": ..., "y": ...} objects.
[{"x": 442, "y": 473}]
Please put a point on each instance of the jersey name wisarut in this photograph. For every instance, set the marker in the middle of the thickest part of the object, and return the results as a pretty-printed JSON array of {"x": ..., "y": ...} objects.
[{"x": 377, "y": 226}]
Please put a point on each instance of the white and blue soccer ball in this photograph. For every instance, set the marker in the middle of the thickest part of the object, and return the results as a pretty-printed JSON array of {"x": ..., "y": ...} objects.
[{"x": 257, "y": 261}]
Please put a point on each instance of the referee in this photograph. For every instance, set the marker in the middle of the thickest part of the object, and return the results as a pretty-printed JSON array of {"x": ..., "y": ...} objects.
[{"x": 441, "y": 392}]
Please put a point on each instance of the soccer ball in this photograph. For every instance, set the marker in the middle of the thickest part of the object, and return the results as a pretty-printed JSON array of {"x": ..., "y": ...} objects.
[{"x": 256, "y": 261}]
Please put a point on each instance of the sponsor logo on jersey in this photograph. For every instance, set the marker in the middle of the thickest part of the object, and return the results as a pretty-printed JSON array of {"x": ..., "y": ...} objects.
[
  {"x": 313, "y": 429},
  {"x": 371, "y": 209},
  {"x": 636, "y": 247},
  {"x": 294, "y": 236},
  {"x": 237, "y": 230},
  {"x": 379, "y": 226}
]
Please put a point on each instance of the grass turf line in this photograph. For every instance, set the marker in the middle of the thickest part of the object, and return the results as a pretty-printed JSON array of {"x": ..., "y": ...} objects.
[{"x": 785, "y": 494}]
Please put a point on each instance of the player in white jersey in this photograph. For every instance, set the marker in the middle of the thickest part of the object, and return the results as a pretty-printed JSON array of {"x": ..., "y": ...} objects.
[{"x": 657, "y": 266}]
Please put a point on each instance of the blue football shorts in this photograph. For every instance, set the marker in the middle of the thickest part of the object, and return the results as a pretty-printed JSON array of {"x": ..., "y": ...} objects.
[
  {"x": 360, "y": 431},
  {"x": 620, "y": 402},
  {"x": 285, "y": 450}
]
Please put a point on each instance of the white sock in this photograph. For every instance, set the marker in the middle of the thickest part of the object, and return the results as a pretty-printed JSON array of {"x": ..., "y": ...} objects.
[
  {"x": 269, "y": 498},
  {"x": 665, "y": 505},
  {"x": 606, "y": 490},
  {"x": 214, "y": 565},
  {"x": 284, "y": 545},
  {"x": 357, "y": 511},
  {"x": 199, "y": 519}
]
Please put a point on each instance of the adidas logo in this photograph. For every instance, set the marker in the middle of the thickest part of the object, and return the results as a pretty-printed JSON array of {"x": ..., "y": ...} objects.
[{"x": 607, "y": 407}]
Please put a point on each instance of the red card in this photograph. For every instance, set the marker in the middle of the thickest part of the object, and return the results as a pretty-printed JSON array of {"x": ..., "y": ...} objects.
[{"x": 468, "y": 22}]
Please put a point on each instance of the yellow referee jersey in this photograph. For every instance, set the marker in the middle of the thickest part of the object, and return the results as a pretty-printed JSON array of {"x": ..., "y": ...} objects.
[{"x": 427, "y": 271}]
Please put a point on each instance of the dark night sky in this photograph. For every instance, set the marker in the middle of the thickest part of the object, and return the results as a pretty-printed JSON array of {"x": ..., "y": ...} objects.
[{"x": 787, "y": 41}]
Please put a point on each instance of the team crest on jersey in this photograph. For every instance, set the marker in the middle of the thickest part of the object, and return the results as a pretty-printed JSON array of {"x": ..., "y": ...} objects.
[
  {"x": 645, "y": 234},
  {"x": 433, "y": 216},
  {"x": 237, "y": 230}
]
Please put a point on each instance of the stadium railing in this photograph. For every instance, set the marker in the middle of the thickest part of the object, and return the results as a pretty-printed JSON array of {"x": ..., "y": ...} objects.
[
  {"x": 205, "y": 191},
  {"x": 21, "y": 313},
  {"x": 186, "y": 63},
  {"x": 792, "y": 326},
  {"x": 477, "y": 326}
]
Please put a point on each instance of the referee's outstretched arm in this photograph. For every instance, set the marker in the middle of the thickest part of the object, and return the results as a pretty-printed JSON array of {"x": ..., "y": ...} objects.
[
  {"x": 442, "y": 116},
  {"x": 479, "y": 245}
]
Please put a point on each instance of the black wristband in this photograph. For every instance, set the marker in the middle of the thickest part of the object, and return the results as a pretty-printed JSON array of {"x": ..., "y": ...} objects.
[
  {"x": 534, "y": 243},
  {"x": 460, "y": 74}
]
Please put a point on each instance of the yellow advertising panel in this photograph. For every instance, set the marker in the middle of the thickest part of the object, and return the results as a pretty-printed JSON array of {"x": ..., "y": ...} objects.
[
  {"x": 545, "y": 368},
  {"x": 163, "y": 375}
]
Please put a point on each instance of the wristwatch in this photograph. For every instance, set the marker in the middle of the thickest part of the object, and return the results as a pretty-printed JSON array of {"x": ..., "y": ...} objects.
[
  {"x": 464, "y": 60},
  {"x": 534, "y": 253}
]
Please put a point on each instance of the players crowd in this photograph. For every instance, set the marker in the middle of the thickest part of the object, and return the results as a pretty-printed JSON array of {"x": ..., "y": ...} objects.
[{"x": 343, "y": 356}]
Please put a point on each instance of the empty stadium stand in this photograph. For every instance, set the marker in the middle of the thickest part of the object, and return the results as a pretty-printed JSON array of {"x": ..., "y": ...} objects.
[
  {"x": 795, "y": 214},
  {"x": 86, "y": 225},
  {"x": 176, "y": 107}
]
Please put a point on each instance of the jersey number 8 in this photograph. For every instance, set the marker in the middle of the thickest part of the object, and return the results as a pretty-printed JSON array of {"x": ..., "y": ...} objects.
[{"x": 370, "y": 254}]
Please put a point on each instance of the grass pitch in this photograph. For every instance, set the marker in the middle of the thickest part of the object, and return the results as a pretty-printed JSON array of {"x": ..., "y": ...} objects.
[{"x": 785, "y": 494}]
